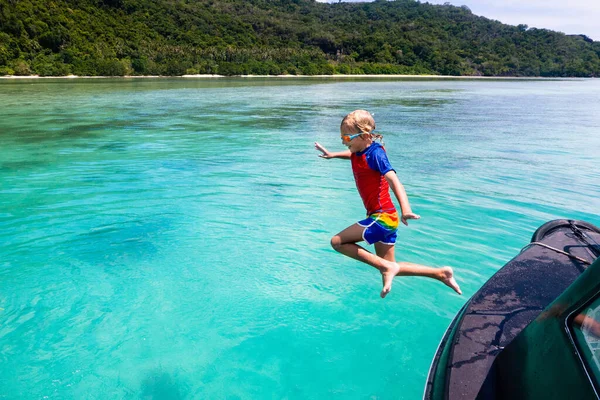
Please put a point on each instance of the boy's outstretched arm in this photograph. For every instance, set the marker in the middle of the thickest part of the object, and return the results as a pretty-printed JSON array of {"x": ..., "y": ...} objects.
[
  {"x": 328, "y": 154},
  {"x": 400, "y": 194}
]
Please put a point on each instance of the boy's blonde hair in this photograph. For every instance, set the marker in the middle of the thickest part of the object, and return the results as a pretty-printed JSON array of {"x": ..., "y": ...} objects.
[{"x": 362, "y": 121}]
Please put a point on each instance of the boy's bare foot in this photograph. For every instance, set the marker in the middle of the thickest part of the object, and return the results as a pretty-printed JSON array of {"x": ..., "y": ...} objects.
[
  {"x": 388, "y": 272},
  {"x": 448, "y": 279}
]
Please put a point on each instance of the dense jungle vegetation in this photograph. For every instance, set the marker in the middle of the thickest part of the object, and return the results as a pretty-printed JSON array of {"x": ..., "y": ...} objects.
[{"x": 234, "y": 37}]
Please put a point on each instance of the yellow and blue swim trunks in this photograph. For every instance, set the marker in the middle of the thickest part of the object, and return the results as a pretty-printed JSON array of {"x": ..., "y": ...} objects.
[{"x": 380, "y": 227}]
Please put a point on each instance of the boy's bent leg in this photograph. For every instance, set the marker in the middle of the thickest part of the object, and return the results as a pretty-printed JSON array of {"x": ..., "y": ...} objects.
[{"x": 345, "y": 243}]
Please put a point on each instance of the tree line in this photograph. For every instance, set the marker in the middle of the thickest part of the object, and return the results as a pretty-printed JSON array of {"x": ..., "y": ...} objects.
[{"x": 272, "y": 37}]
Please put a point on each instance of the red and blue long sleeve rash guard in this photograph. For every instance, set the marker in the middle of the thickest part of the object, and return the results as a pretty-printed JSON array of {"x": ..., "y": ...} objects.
[{"x": 369, "y": 168}]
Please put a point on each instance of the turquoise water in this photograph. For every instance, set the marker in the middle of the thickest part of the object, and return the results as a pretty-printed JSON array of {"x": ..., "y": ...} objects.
[{"x": 169, "y": 238}]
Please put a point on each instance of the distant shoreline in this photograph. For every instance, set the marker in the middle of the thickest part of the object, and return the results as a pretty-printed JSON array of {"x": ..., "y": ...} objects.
[{"x": 208, "y": 76}]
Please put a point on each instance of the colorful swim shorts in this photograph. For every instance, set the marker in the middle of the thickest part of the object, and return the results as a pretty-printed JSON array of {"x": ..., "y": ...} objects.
[{"x": 380, "y": 227}]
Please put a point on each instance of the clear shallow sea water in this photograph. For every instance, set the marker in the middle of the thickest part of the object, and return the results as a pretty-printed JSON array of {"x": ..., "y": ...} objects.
[{"x": 169, "y": 238}]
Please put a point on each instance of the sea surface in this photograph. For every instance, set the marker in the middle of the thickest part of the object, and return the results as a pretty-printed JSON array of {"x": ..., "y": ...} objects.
[{"x": 169, "y": 238}]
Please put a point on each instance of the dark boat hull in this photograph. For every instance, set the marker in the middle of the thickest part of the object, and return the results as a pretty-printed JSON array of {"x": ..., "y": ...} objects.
[{"x": 558, "y": 254}]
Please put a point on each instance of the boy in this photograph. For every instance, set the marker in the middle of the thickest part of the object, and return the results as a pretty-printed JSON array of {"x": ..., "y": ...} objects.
[{"x": 374, "y": 176}]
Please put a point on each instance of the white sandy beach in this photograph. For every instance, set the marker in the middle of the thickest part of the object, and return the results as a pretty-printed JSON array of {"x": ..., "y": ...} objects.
[{"x": 208, "y": 76}]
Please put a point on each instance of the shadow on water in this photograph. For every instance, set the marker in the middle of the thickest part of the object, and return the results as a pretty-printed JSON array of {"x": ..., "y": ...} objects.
[
  {"x": 158, "y": 385},
  {"x": 119, "y": 242},
  {"x": 55, "y": 130},
  {"x": 411, "y": 103},
  {"x": 441, "y": 91},
  {"x": 16, "y": 166}
]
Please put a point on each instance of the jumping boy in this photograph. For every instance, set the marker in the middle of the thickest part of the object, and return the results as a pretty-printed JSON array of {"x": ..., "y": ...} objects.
[{"x": 374, "y": 176}]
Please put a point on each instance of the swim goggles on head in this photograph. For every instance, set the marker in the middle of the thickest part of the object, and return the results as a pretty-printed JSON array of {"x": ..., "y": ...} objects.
[{"x": 348, "y": 138}]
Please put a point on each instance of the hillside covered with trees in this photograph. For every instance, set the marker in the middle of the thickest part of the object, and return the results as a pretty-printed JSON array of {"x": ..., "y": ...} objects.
[{"x": 235, "y": 37}]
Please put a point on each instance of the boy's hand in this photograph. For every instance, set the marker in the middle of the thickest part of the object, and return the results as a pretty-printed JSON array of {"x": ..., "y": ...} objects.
[
  {"x": 407, "y": 216},
  {"x": 326, "y": 153}
]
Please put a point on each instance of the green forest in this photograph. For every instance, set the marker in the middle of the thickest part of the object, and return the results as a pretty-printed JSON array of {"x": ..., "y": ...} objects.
[{"x": 273, "y": 37}]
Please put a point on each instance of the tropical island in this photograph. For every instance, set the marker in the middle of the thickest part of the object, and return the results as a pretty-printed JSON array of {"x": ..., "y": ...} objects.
[{"x": 275, "y": 37}]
